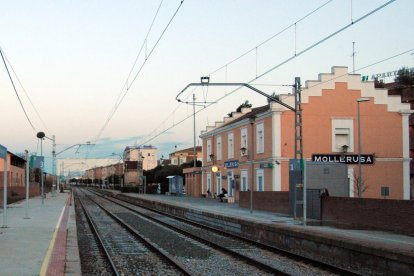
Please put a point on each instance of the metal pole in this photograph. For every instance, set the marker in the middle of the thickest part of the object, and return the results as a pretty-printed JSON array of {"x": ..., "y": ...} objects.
[
  {"x": 54, "y": 167},
  {"x": 5, "y": 193},
  {"x": 252, "y": 167},
  {"x": 195, "y": 156},
  {"x": 27, "y": 185},
  {"x": 359, "y": 155},
  {"x": 41, "y": 170},
  {"x": 304, "y": 192}
]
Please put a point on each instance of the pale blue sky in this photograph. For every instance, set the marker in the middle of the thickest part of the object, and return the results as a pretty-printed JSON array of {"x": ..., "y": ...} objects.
[{"x": 73, "y": 58}]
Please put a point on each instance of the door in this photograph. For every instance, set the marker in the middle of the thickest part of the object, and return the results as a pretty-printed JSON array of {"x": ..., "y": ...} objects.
[
  {"x": 208, "y": 184},
  {"x": 244, "y": 180},
  {"x": 260, "y": 182},
  {"x": 231, "y": 183}
]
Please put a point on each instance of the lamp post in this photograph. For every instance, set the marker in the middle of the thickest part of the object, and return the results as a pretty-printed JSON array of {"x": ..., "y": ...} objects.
[
  {"x": 251, "y": 120},
  {"x": 359, "y": 183},
  {"x": 41, "y": 135}
]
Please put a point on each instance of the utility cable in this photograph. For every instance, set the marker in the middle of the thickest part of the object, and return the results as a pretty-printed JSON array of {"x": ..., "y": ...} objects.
[
  {"x": 136, "y": 75},
  {"x": 255, "y": 49},
  {"x": 15, "y": 90},
  {"x": 135, "y": 62},
  {"x": 25, "y": 92},
  {"x": 359, "y": 69},
  {"x": 284, "y": 62},
  {"x": 272, "y": 37}
]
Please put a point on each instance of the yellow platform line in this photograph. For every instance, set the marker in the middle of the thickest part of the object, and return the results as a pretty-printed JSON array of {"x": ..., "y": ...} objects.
[{"x": 46, "y": 260}]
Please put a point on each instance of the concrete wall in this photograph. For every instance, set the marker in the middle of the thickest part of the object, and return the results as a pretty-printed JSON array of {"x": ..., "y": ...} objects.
[
  {"x": 18, "y": 193},
  {"x": 277, "y": 202},
  {"x": 384, "y": 214}
]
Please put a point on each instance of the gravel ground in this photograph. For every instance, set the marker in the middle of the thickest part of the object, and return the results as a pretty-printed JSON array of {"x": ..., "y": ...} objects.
[
  {"x": 270, "y": 258},
  {"x": 130, "y": 256}
]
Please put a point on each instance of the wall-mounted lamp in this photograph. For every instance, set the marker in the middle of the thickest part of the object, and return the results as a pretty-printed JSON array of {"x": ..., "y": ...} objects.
[
  {"x": 243, "y": 151},
  {"x": 212, "y": 157},
  {"x": 345, "y": 148},
  {"x": 277, "y": 162}
]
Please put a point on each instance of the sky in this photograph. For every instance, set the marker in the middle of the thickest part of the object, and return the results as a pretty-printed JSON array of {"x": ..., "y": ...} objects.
[{"x": 71, "y": 62}]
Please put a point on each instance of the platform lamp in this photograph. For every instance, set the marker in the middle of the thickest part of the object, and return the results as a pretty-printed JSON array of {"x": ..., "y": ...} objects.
[
  {"x": 41, "y": 135},
  {"x": 359, "y": 183}
]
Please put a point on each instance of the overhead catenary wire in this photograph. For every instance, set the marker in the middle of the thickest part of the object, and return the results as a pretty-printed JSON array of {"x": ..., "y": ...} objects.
[
  {"x": 117, "y": 104},
  {"x": 15, "y": 90},
  {"x": 270, "y": 38},
  {"x": 204, "y": 107},
  {"x": 257, "y": 46},
  {"x": 282, "y": 63},
  {"x": 25, "y": 92}
]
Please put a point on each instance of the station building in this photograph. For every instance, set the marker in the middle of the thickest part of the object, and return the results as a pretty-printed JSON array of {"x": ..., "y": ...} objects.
[{"x": 330, "y": 134}]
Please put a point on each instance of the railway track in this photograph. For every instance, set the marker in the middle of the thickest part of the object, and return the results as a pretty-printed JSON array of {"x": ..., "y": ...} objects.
[
  {"x": 124, "y": 254},
  {"x": 264, "y": 258}
]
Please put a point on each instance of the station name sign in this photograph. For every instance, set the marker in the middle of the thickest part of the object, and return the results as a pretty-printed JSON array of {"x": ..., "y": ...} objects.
[
  {"x": 231, "y": 164},
  {"x": 366, "y": 159}
]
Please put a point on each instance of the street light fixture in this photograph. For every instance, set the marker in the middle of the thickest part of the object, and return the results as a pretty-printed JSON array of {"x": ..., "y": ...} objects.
[{"x": 359, "y": 181}]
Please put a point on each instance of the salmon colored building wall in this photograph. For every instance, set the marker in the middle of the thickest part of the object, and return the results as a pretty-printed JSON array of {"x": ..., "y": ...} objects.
[
  {"x": 15, "y": 175},
  {"x": 327, "y": 104}
]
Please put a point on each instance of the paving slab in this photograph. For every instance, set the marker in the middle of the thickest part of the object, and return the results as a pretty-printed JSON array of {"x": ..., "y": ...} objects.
[{"x": 24, "y": 242}]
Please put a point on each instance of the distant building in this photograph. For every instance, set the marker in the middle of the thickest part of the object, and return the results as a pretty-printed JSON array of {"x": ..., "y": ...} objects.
[
  {"x": 146, "y": 154},
  {"x": 180, "y": 157}
]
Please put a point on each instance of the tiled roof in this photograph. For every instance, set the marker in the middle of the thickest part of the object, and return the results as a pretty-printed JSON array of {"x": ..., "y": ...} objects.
[{"x": 255, "y": 111}]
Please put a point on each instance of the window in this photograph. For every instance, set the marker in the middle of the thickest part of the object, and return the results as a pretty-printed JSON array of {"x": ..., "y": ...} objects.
[
  {"x": 243, "y": 136},
  {"x": 342, "y": 135},
  {"x": 230, "y": 145},
  {"x": 342, "y": 139},
  {"x": 260, "y": 181},
  {"x": 218, "y": 142},
  {"x": 209, "y": 150},
  {"x": 259, "y": 138},
  {"x": 244, "y": 180}
]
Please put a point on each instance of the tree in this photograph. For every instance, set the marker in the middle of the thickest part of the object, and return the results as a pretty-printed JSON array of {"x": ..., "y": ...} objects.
[
  {"x": 191, "y": 164},
  {"x": 245, "y": 104},
  {"x": 405, "y": 76},
  {"x": 364, "y": 185},
  {"x": 379, "y": 83},
  {"x": 274, "y": 95}
]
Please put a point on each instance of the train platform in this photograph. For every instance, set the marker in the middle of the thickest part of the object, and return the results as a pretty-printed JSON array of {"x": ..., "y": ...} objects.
[
  {"x": 41, "y": 242},
  {"x": 358, "y": 249}
]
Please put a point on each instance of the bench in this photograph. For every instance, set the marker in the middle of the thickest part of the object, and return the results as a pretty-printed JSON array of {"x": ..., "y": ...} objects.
[{"x": 228, "y": 199}]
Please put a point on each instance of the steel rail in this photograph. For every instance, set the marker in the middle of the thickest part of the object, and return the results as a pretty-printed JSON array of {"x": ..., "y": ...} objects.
[
  {"x": 96, "y": 233},
  {"x": 273, "y": 249},
  {"x": 156, "y": 249},
  {"x": 214, "y": 245}
]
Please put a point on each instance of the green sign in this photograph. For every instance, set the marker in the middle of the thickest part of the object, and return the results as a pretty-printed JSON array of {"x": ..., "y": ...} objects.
[{"x": 266, "y": 165}]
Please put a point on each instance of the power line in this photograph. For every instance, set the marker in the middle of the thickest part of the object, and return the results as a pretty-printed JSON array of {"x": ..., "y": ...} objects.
[
  {"x": 270, "y": 38},
  {"x": 254, "y": 49},
  {"x": 15, "y": 90},
  {"x": 144, "y": 43},
  {"x": 284, "y": 62},
  {"x": 189, "y": 116},
  {"x": 117, "y": 104},
  {"x": 25, "y": 92}
]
